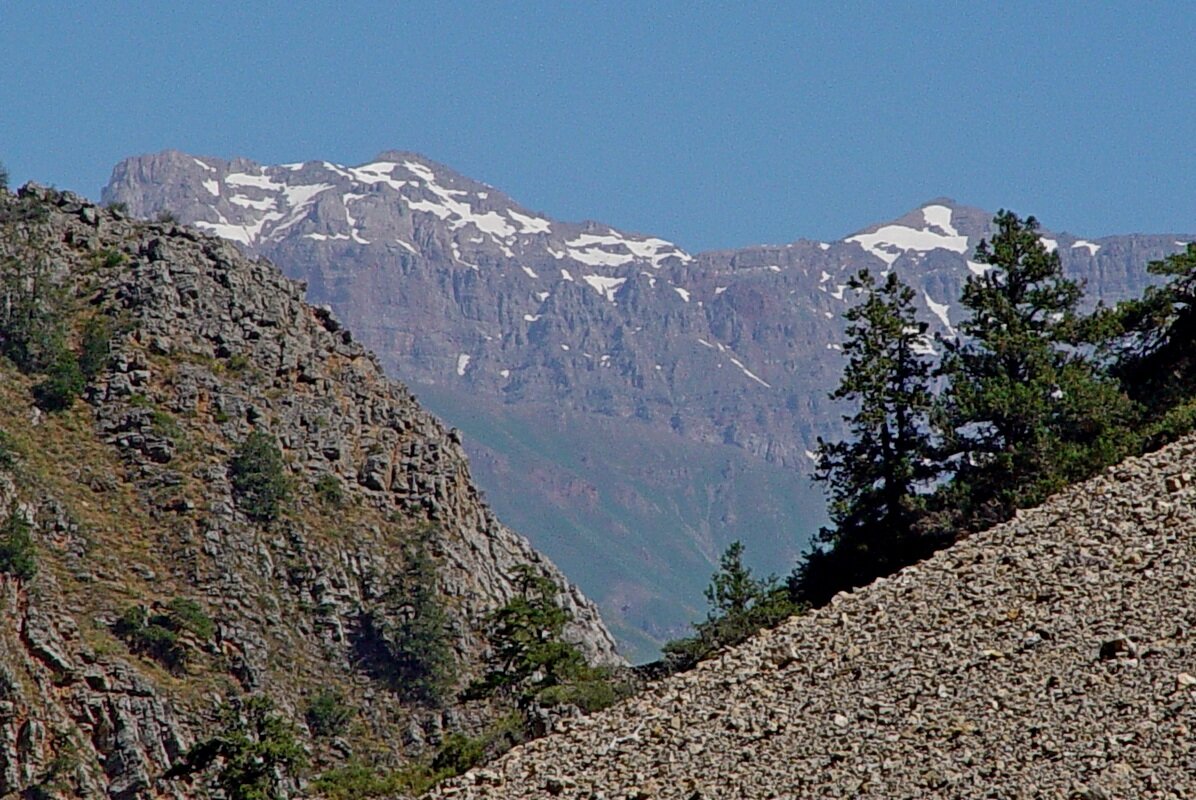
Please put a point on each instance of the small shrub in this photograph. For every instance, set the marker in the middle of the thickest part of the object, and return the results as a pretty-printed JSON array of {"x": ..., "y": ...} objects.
[
  {"x": 63, "y": 384},
  {"x": 8, "y": 451},
  {"x": 95, "y": 346},
  {"x": 238, "y": 362},
  {"x": 252, "y": 753},
  {"x": 158, "y": 635},
  {"x": 165, "y": 425},
  {"x": 358, "y": 781},
  {"x": 18, "y": 554},
  {"x": 184, "y": 614},
  {"x": 110, "y": 258},
  {"x": 259, "y": 479},
  {"x": 3, "y": 179},
  {"x": 459, "y": 753},
  {"x": 327, "y": 713},
  {"x": 120, "y": 209},
  {"x": 330, "y": 491}
]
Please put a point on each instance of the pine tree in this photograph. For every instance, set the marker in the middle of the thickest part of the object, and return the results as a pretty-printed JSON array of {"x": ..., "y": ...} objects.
[
  {"x": 1026, "y": 409},
  {"x": 1153, "y": 340},
  {"x": 877, "y": 476}
]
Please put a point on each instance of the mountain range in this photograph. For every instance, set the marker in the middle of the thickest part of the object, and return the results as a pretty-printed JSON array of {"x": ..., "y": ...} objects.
[{"x": 630, "y": 406}]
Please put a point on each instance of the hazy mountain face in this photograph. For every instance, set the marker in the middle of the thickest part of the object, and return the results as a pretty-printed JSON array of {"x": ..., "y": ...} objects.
[{"x": 632, "y": 407}]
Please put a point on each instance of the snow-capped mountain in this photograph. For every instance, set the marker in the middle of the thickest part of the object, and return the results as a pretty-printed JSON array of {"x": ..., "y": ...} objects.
[{"x": 632, "y": 407}]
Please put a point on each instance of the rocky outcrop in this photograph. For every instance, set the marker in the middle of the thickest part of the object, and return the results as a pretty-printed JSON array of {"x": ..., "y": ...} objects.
[
  {"x": 1052, "y": 656},
  {"x": 526, "y": 330},
  {"x": 131, "y": 500}
]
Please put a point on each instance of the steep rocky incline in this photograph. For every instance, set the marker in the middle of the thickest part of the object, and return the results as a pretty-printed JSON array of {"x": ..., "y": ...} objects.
[
  {"x": 540, "y": 338},
  {"x": 130, "y": 497},
  {"x": 1052, "y": 656}
]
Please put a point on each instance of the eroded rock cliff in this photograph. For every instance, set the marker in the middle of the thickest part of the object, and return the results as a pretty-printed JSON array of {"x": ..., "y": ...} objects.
[{"x": 130, "y": 501}]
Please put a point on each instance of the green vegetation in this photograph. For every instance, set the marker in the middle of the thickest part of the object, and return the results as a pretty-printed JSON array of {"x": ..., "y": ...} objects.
[
  {"x": 530, "y": 661},
  {"x": 356, "y": 780},
  {"x": 328, "y": 714},
  {"x": 8, "y": 451},
  {"x": 252, "y": 755},
  {"x": 330, "y": 490},
  {"x": 875, "y": 476},
  {"x": 739, "y": 604},
  {"x": 1034, "y": 396},
  {"x": 18, "y": 554},
  {"x": 259, "y": 479},
  {"x": 407, "y": 639},
  {"x": 36, "y": 315},
  {"x": 162, "y": 636},
  {"x": 1025, "y": 411}
]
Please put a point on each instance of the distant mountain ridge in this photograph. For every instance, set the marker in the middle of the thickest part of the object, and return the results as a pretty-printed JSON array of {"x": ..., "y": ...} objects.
[{"x": 684, "y": 382}]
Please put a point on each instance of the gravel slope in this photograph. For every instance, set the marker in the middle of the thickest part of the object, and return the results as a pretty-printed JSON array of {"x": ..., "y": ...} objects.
[{"x": 1052, "y": 656}]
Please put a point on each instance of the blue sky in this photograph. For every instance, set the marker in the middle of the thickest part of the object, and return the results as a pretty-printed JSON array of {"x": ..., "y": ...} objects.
[{"x": 714, "y": 125}]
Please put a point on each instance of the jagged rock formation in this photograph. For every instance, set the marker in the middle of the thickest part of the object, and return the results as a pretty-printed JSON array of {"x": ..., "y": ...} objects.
[
  {"x": 1052, "y": 656},
  {"x": 130, "y": 499},
  {"x": 688, "y": 381}
]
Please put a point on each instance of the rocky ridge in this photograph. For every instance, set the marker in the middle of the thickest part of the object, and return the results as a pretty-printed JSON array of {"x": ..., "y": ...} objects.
[
  {"x": 130, "y": 499},
  {"x": 686, "y": 380},
  {"x": 1052, "y": 656}
]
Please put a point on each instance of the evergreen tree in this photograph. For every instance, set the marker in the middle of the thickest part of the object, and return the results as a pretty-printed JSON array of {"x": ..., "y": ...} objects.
[
  {"x": 732, "y": 589},
  {"x": 254, "y": 750},
  {"x": 420, "y": 637},
  {"x": 740, "y": 605},
  {"x": 1153, "y": 340},
  {"x": 878, "y": 475},
  {"x": 1026, "y": 409},
  {"x": 526, "y": 636},
  {"x": 259, "y": 478}
]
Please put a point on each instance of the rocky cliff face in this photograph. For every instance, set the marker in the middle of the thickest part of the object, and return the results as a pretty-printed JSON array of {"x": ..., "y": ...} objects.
[
  {"x": 130, "y": 500},
  {"x": 685, "y": 379},
  {"x": 1051, "y": 656}
]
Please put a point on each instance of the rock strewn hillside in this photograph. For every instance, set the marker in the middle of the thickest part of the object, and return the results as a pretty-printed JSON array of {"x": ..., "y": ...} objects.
[
  {"x": 130, "y": 499},
  {"x": 1053, "y": 656}
]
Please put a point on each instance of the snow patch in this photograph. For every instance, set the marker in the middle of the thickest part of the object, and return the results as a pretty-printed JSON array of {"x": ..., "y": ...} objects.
[
  {"x": 751, "y": 374},
  {"x": 257, "y": 205},
  {"x": 978, "y": 269},
  {"x": 683, "y": 292},
  {"x": 719, "y": 290},
  {"x": 212, "y": 186},
  {"x": 565, "y": 275},
  {"x": 377, "y": 172},
  {"x": 542, "y": 296},
  {"x": 531, "y": 317},
  {"x": 937, "y": 216},
  {"x": 530, "y": 272},
  {"x": 1050, "y": 244},
  {"x": 206, "y": 166},
  {"x": 604, "y": 286},
  {"x": 824, "y": 246},
  {"x": 889, "y": 242},
  {"x": 527, "y": 224},
  {"x": 256, "y": 181},
  {"x": 1092, "y": 246},
  {"x": 939, "y": 310},
  {"x": 462, "y": 363},
  {"x": 506, "y": 373}
]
